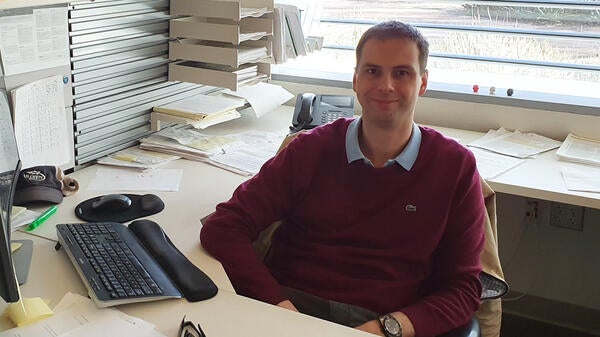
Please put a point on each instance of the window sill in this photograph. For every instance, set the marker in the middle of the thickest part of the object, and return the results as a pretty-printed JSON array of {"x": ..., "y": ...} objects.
[{"x": 456, "y": 92}]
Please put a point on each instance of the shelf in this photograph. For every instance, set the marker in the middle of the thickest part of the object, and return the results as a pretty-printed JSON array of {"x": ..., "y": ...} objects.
[{"x": 195, "y": 72}]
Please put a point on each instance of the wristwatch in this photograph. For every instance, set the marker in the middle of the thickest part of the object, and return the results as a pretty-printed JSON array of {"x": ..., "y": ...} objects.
[{"x": 390, "y": 326}]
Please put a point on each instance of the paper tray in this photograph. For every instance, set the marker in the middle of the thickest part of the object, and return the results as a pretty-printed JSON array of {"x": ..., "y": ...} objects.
[
  {"x": 212, "y": 30},
  {"x": 188, "y": 72},
  {"x": 195, "y": 50},
  {"x": 217, "y": 9}
]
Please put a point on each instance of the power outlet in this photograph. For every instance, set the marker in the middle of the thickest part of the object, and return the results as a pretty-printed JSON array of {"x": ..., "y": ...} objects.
[{"x": 566, "y": 216}]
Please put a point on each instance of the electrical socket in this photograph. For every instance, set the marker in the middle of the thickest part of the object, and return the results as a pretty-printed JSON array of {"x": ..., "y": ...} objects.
[
  {"x": 566, "y": 216},
  {"x": 531, "y": 210}
]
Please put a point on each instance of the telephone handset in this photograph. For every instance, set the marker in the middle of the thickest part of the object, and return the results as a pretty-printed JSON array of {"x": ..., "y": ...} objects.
[{"x": 313, "y": 110}]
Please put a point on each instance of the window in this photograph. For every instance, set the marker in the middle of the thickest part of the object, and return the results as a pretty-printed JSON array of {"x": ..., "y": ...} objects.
[{"x": 547, "y": 49}]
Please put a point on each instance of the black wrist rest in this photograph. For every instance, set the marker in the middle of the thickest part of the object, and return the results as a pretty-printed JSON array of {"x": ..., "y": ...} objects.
[{"x": 191, "y": 281}]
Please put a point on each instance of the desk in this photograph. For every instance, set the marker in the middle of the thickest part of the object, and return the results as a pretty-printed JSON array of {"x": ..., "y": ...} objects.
[
  {"x": 538, "y": 177},
  {"x": 202, "y": 187}
]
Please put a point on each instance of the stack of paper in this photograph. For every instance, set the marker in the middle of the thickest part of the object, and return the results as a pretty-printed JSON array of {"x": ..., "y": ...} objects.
[
  {"x": 76, "y": 315},
  {"x": 240, "y": 153},
  {"x": 137, "y": 158},
  {"x": 580, "y": 150},
  {"x": 188, "y": 143},
  {"x": 515, "y": 144},
  {"x": 200, "y": 111}
]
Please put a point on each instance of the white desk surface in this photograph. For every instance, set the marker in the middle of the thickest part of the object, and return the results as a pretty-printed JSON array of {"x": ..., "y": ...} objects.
[
  {"x": 538, "y": 177},
  {"x": 203, "y": 186},
  {"x": 51, "y": 274}
]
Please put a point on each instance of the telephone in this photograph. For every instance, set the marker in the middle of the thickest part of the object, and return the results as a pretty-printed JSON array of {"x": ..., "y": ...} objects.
[{"x": 313, "y": 110}]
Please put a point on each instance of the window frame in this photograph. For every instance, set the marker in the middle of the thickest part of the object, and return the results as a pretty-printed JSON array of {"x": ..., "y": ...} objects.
[{"x": 460, "y": 92}]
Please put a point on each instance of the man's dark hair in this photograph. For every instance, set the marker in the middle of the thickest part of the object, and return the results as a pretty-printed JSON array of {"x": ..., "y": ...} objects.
[{"x": 396, "y": 30}]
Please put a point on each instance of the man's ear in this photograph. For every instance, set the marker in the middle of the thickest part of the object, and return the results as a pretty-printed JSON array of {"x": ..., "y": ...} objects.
[
  {"x": 354, "y": 81},
  {"x": 424, "y": 79}
]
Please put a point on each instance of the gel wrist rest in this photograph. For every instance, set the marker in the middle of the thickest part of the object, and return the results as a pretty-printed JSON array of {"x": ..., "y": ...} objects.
[
  {"x": 118, "y": 207},
  {"x": 191, "y": 281}
]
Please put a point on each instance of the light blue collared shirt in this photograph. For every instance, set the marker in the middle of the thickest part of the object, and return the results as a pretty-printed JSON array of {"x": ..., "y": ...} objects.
[{"x": 406, "y": 158}]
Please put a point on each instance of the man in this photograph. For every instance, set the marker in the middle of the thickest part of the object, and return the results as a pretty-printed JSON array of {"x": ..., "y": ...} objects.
[{"x": 380, "y": 216}]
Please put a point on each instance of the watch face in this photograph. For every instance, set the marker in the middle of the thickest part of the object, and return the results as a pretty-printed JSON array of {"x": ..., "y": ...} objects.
[{"x": 391, "y": 326}]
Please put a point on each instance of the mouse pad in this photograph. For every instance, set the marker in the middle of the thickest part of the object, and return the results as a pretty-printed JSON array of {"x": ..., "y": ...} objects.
[{"x": 141, "y": 205}]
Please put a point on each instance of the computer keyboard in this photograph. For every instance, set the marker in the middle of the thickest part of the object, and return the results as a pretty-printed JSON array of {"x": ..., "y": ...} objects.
[{"x": 114, "y": 266}]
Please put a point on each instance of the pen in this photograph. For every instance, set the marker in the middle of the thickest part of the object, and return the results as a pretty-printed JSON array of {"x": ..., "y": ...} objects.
[{"x": 42, "y": 218}]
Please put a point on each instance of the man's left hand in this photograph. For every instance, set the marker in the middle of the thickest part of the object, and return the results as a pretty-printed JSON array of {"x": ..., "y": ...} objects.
[{"x": 372, "y": 327}]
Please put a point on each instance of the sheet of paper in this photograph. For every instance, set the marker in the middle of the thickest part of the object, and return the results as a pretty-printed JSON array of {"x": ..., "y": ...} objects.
[
  {"x": 581, "y": 177},
  {"x": 35, "y": 41},
  {"x": 41, "y": 123},
  {"x": 123, "y": 179},
  {"x": 14, "y": 246},
  {"x": 23, "y": 219},
  {"x": 201, "y": 106},
  {"x": 580, "y": 150},
  {"x": 137, "y": 158},
  {"x": 7, "y": 142},
  {"x": 247, "y": 160},
  {"x": 515, "y": 144},
  {"x": 263, "y": 97},
  {"x": 76, "y": 315},
  {"x": 491, "y": 165}
]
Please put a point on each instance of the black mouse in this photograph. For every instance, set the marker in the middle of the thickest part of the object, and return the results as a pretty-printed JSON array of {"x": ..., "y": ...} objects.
[
  {"x": 151, "y": 202},
  {"x": 112, "y": 202}
]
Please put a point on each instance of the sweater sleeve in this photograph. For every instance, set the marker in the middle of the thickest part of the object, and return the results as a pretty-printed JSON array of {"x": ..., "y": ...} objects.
[
  {"x": 228, "y": 234},
  {"x": 454, "y": 291}
]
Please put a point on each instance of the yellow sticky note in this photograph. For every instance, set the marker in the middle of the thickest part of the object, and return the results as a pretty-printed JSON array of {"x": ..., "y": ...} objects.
[
  {"x": 14, "y": 246},
  {"x": 28, "y": 310},
  {"x": 16, "y": 210}
]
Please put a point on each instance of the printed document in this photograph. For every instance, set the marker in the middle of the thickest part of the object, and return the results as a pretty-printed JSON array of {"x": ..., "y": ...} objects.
[
  {"x": 580, "y": 150},
  {"x": 41, "y": 123},
  {"x": 35, "y": 41},
  {"x": 515, "y": 144},
  {"x": 200, "y": 106},
  {"x": 491, "y": 165},
  {"x": 123, "y": 179},
  {"x": 76, "y": 315},
  {"x": 581, "y": 177}
]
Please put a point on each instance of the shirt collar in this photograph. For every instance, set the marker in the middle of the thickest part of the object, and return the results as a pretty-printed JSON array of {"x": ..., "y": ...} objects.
[{"x": 406, "y": 158}]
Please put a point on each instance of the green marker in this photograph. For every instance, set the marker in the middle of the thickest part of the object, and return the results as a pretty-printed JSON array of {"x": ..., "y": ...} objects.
[{"x": 42, "y": 218}]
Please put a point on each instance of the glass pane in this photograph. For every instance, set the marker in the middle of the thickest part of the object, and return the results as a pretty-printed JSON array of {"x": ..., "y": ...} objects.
[{"x": 457, "y": 39}]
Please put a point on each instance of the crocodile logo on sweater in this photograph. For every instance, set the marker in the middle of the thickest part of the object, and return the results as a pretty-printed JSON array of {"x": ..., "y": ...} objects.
[{"x": 410, "y": 208}]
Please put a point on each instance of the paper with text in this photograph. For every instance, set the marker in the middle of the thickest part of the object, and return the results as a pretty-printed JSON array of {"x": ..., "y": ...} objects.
[
  {"x": 41, "y": 123},
  {"x": 123, "y": 179},
  {"x": 34, "y": 41},
  {"x": 581, "y": 177},
  {"x": 515, "y": 144},
  {"x": 76, "y": 315},
  {"x": 580, "y": 150},
  {"x": 491, "y": 165}
]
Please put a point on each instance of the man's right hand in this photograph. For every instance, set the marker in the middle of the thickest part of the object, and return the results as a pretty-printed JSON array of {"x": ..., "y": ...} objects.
[{"x": 288, "y": 305}]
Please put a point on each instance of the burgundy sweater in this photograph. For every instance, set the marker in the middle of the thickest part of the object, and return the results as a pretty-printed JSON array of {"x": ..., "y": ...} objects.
[{"x": 385, "y": 239}]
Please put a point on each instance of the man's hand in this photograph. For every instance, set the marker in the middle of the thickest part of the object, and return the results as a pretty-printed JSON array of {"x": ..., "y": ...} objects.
[
  {"x": 288, "y": 305},
  {"x": 372, "y": 327}
]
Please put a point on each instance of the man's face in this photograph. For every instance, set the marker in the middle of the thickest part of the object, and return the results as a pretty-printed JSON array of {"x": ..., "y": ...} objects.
[{"x": 388, "y": 81}]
